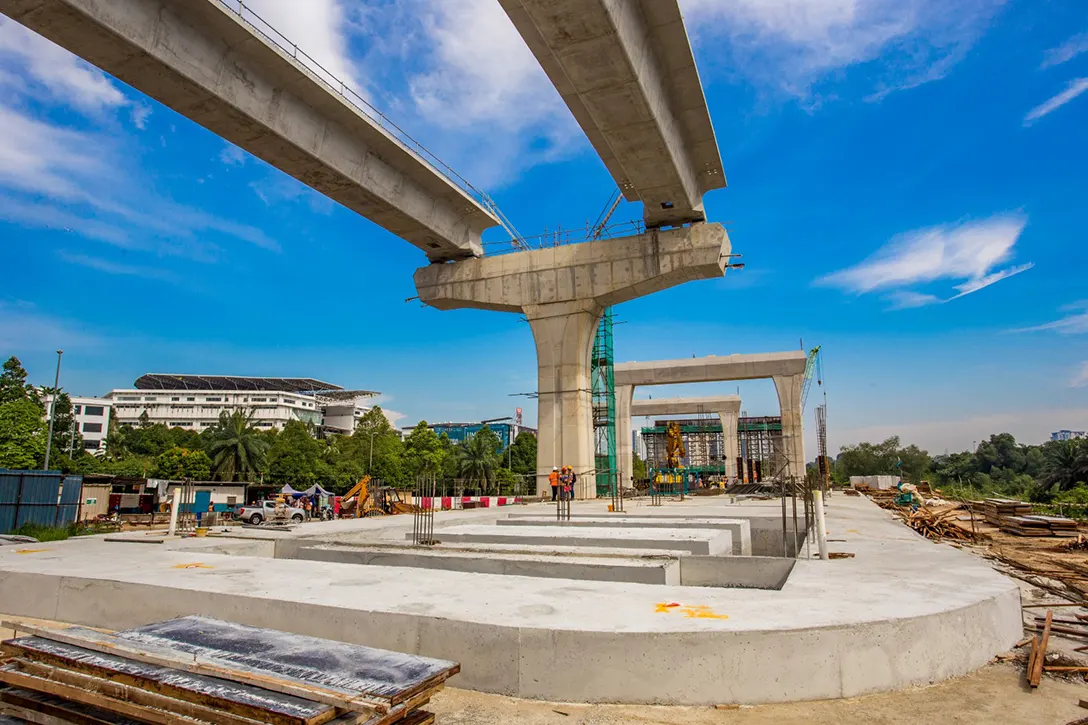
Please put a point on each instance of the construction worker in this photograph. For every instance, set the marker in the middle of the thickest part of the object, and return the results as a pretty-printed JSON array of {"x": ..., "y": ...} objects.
[{"x": 553, "y": 478}]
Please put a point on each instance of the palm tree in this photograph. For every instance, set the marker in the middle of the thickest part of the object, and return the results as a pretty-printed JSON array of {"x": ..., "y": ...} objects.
[
  {"x": 1066, "y": 464},
  {"x": 237, "y": 447},
  {"x": 477, "y": 459}
]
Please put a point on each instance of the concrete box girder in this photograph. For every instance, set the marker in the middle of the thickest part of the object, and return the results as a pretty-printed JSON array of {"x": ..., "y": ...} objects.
[
  {"x": 628, "y": 75},
  {"x": 200, "y": 59}
]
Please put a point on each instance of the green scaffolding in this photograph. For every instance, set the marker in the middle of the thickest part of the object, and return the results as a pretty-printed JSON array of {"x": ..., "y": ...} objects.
[{"x": 604, "y": 406}]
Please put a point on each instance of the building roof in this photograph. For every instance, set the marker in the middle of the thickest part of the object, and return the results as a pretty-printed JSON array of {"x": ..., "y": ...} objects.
[{"x": 169, "y": 381}]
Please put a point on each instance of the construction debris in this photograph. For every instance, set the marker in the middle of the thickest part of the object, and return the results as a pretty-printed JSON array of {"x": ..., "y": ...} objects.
[
  {"x": 1078, "y": 544},
  {"x": 936, "y": 525},
  {"x": 1015, "y": 517},
  {"x": 200, "y": 670}
]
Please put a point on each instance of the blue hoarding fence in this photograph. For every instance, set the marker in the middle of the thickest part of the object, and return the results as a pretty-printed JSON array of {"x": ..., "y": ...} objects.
[{"x": 47, "y": 498}]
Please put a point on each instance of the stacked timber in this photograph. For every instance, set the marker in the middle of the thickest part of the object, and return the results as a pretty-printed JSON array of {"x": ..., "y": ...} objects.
[
  {"x": 1015, "y": 517},
  {"x": 206, "y": 671}
]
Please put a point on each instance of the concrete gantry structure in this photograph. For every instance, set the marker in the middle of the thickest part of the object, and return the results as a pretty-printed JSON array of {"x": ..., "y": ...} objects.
[
  {"x": 563, "y": 291},
  {"x": 726, "y": 407},
  {"x": 627, "y": 73},
  {"x": 201, "y": 59},
  {"x": 787, "y": 369}
]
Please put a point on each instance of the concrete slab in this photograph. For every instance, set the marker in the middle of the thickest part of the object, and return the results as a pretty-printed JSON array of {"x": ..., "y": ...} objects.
[
  {"x": 698, "y": 541},
  {"x": 903, "y": 612},
  {"x": 662, "y": 569},
  {"x": 739, "y": 529}
]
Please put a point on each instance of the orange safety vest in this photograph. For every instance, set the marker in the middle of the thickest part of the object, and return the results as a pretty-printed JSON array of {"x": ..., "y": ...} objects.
[{"x": 554, "y": 478}]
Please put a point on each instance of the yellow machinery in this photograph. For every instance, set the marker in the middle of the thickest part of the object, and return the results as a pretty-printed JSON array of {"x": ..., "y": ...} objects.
[
  {"x": 382, "y": 500},
  {"x": 674, "y": 445}
]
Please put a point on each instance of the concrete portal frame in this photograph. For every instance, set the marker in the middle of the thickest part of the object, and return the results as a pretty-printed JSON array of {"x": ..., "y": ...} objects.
[
  {"x": 726, "y": 407},
  {"x": 786, "y": 369},
  {"x": 563, "y": 292}
]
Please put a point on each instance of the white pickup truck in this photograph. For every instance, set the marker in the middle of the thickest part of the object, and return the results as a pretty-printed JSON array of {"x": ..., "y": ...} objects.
[{"x": 266, "y": 511}]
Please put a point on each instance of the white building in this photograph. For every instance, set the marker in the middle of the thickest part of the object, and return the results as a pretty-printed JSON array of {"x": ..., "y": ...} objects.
[
  {"x": 92, "y": 417},
  {"x": 194, "y": 402},
  {"x": 1068, "y": 435}
]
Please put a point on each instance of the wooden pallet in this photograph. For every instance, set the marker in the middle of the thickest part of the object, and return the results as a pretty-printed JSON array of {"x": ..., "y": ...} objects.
[{"x": 205, "y": 671}]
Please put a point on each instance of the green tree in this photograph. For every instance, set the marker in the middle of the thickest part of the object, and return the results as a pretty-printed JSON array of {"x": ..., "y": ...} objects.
[
  {"x": 522, "y": 454},
  {"x": 423, "y": 452},
  {"x": 150, "y": 439},
  {"x": 236, "y": 447},
  {"x": 478, "y": 458},
  {"x": 379, "y": 448},
  {"x": 295, "y": 457},
  {"x": 66, "y": 436},
  {"x": 1066, "y": 465},
  {"x": 179, "y": 463},
  {"x": 13, "y": 385},
  {"x": 22, "y": 434},
  {"x": 638, "y": 469}
]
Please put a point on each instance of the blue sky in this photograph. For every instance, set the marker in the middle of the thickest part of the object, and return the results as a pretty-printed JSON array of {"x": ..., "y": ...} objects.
[{"x": 907, "y": 186}]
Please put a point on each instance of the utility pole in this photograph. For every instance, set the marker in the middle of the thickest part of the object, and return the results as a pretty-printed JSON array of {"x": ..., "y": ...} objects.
[
  {"x": 370, "y": 463},
  {"x": 52, "y": 412}
]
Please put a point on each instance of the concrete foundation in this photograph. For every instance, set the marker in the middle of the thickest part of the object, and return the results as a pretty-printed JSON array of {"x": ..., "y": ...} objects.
[
  {"x": 562, "y": 291},
  {"x": 696, "y": 541},
  {"x": 902, "y": 612},
  {"x": 739, "y": 529},
  {"x": 663, "y": 569}
]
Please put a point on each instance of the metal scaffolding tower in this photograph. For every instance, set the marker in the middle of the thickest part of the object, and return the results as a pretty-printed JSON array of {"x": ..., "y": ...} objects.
[{"x": 604, "y": 408}]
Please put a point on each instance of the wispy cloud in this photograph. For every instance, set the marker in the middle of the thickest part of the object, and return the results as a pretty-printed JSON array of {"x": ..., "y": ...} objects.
[
  {"x": 1074, "y": 88},
  {"x": 1066, "y": 52},
  {"x": 111, "y": 267},
  {"x": 231, "y": 155},
  {"x": 966, "y": 251},
  {"x": 23, "y": 328},
  {"x": 55, "y": 72},
  {"x": 1080, "y": 379},
  {"x": 1073, "y": 323},
  {"x": 793, "y": 45}
]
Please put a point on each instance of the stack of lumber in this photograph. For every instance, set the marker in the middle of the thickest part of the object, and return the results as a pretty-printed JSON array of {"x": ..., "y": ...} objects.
[
  {"x": 196, "y": 670},
  {"x": 1015, "y": 517}
]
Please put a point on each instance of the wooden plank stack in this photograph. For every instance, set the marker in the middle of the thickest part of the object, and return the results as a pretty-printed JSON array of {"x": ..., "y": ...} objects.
[
  {"x": 1015, "y": 517},
  {"x": 196, "y": 670}
]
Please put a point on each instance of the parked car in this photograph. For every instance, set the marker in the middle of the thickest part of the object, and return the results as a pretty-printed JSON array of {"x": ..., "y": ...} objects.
[{"x": 262, "y": 511}]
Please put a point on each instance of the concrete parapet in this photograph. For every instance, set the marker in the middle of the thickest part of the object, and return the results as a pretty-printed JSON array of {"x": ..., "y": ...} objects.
[{"x": 715, "y": 542}]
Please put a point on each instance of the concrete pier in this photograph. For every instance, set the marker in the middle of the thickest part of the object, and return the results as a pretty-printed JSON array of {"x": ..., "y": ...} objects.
[
  {"x": 563, "y": 291},
  {"x": 726, "y": 407},
  {"x": 787, "y": 369},
  {"x": 202, "y": 60},
  {"x": 627, "y": 73}
]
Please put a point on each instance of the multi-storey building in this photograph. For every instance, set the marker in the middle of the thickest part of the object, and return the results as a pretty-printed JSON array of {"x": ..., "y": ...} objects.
[
  {"x": 92, "y": 416},
  {"x": 1068, "y": 435},
  {"x": 194, "y": 402},
  {"x": 506, "y": 430}
]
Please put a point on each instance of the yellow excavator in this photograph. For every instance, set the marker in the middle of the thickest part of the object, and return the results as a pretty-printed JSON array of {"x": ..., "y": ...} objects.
[{"x": 362, "y": 501}]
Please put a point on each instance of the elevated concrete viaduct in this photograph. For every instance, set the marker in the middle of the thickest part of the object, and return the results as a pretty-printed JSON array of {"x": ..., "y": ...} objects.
[
  {"x": 563, "y": 291},
  {"x": 787, "y": 369},
  {"x": 627, "y": 73},
  {"x": 202, "y": 60},
  {"x": 726, "y": 407}
]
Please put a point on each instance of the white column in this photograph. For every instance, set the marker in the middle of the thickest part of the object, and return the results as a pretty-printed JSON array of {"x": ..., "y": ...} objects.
[
  {"x": 175, "y": 502},
  {"x": 624, "y": 449},
  {"x": 789, "y": 389},
  {"x": 564, "y": 335},
  {"x": 729, "y": 437}
]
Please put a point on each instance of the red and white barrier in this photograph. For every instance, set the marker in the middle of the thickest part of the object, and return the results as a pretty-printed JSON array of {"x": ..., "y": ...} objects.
[{"x": 450, "y": 503}]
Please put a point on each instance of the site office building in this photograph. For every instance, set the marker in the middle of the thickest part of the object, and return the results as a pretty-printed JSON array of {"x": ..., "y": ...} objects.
[{"x": 194, "y": 402}]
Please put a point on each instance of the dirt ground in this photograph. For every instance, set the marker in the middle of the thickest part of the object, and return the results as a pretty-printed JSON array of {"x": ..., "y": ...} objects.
[{"x": 995, "y": 694}]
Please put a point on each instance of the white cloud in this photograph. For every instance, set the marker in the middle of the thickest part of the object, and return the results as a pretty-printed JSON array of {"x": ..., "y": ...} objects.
[
  {"x": 140, "y": 113},
  {"x": 23, "y": 329},
  {"x": 1074, "y": 88},
  {"x": 1074, "y": 323},
  {"x": 111, "y": 267},
  {"x": 966, "y": 251},
  {"x": 231, "y": 155},
  {"x": 87, "y": 173},
  {"x": 1066, "y": 52},
  {"x": 795, "y": 44},
  {"x": 1080, "y": 379},
  {"x": 57, "y": 71},
  {"x": 905, "y": 299}
]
